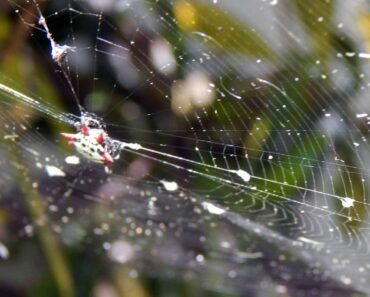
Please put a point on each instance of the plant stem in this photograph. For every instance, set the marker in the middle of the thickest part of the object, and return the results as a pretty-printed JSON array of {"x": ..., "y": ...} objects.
[{"x": 48, "y": 241}]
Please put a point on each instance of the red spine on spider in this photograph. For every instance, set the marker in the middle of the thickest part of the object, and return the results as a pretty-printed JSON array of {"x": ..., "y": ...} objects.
[{"x": 92, "y": 141}]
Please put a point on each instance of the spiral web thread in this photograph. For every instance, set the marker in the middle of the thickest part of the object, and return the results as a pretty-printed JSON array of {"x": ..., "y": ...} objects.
[{"x": 277, "y": 158}]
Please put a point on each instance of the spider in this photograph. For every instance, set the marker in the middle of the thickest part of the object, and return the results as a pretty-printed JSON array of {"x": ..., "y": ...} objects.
[{"x": 92, "y": 140}]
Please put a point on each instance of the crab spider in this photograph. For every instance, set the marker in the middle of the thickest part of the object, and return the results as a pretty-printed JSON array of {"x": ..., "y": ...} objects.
[{"x": 92, "y": 141}]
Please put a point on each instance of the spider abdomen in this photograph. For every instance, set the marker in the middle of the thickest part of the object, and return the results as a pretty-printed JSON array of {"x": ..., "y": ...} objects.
[{"x": 92, "y": 144}]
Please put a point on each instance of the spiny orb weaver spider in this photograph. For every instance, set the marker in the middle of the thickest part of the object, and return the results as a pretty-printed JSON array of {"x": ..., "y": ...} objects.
[{"x": 92, "y": 140}]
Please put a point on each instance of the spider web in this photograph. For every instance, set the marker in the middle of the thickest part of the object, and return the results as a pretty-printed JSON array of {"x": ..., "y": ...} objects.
[{"x": 245, "y": 160}]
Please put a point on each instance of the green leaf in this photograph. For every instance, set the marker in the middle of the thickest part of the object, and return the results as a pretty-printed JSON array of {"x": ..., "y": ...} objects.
[
  {"x": 316, "y": 16},
  {"x": 224, "y": 32}
]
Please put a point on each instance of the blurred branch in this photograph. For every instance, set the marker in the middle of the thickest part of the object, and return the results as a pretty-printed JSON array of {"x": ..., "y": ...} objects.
[
  {"x": 49, "y": 243},
  {"x": 20, "y": 32},
  {"x": 127, "y": 285}
]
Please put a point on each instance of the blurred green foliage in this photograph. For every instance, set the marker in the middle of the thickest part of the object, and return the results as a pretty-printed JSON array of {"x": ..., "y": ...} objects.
[{"x": 25, "y": 69}]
